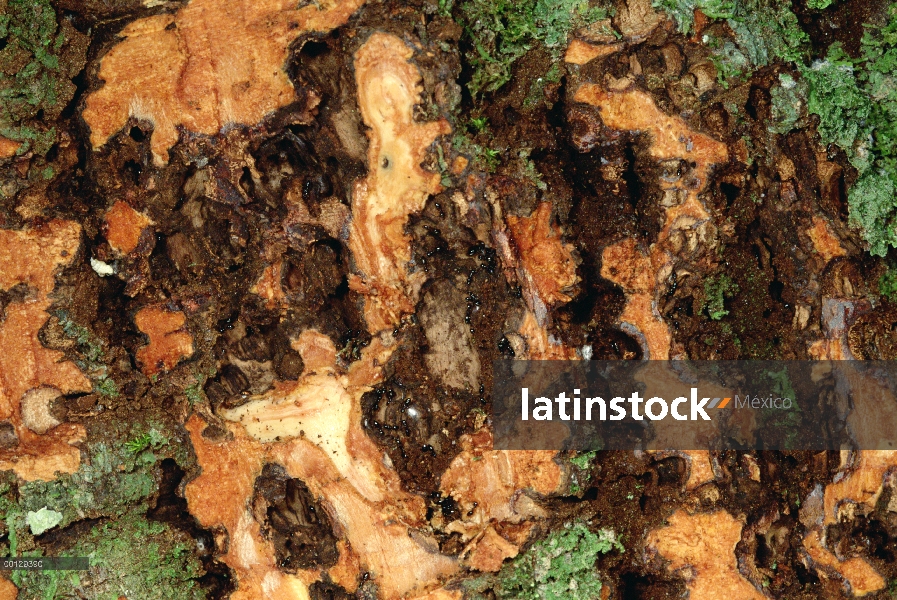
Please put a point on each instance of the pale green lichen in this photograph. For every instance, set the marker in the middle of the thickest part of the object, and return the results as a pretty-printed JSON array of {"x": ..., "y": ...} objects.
[
  {"x": 560, "y": 567},
  {"x": 109, "y": 482},
  {"x": 584, "y": 460},
  {"x": 683, "y": 11},
  {"x": 731, "y": 63},
  {"x": 113, "y": 485},
  {"x": 887, "y": 283},
  {"x": 536, "y": 94},
  {"x": 764, "y": 31},
  {"x": 788, "y": 422},
  {"x": 42, "y": 520},
  {"x": 529, "y": 171},
  {"x": 788, "y": 104},
  {"x": 855, "y": 100},
  {"x": 872, "y": 203},
  {"x": 106, "y": 387},
  {"x": 90, "y": 355},
  {"x": 194, "y": 394},
  {"x": 843, "y": 109},
  {"x": 768, "y": 31},
  {"x": 582, "y": 464}
]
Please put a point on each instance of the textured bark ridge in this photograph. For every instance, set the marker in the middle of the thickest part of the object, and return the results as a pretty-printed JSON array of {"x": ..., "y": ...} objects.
[
  {"x": 312, "y": 429},
  {"x": 705, "y": 544},
  {"x": 31, "y": 376},
  {"x": 686, "y": 221},
  {"x": 396, "y": 185},
  {"x": 168, "y": 343},
  {"x": 209, "y": 65},
  {"x": 332, "y": 454},
  {"x": 124, "y": 227}
]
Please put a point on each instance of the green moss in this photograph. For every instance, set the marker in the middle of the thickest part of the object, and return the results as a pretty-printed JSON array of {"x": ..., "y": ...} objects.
[
  {"x": 560, "y": 567},
  {"x": 150, "y": 439},
  {"x": 583, "y": 461},
  {"x": 131, "y": 556},
  {"x": 111, "y": 481},
  {"x": 819, "y": 4},
  {"x": 39, "y": 57},
  {"x": 482, "y": 157},
  {"x": 887, "y": 284},
  {"x": 478, "y": 124},
  {"x": 716, "y": 291},
  {"x": 502, "y": 31}
]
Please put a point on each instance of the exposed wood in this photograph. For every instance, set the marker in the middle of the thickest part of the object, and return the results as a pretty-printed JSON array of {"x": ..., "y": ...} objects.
[
  {"x": 31, "y": 258},
  {"x": 169, "y": 341},
  {"x": 160, "y": 71},
  {"x": 397, "y": 185}
]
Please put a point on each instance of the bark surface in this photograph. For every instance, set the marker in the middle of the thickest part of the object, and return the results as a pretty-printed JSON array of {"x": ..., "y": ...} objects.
[{"x": 257, "y": 259}]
